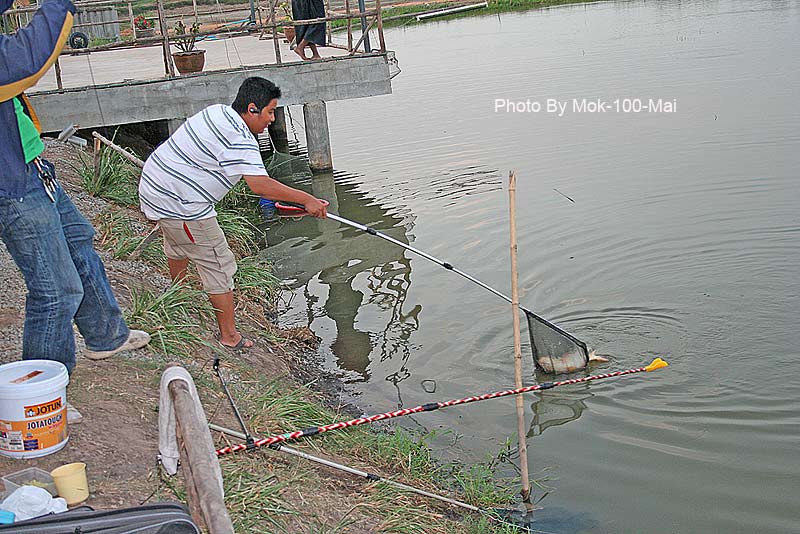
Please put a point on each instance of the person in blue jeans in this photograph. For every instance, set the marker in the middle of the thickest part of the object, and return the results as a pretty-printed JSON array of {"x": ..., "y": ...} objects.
[{"x": 50, "y": 241}]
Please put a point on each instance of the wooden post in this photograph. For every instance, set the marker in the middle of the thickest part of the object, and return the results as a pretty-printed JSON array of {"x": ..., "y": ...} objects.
[
  {"x": 198, "y": 454},
  {"x": 521, "y": 428},
  {"x": 275, "y": 41},
  {"x": 349, "y": 26},
  {"x": 194, "y": 7},
  {"x": 380, "y": 26},
  {"x": 328, "y": 29},
  {"x": 162, "y": 23},
  {"x": 133, "y": 24},
  {"x": 59, "y": 82},
  {"x": 97, "y": 147}
]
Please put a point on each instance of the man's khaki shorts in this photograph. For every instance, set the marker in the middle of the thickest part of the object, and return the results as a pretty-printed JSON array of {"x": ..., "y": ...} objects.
[{"x": 202, "y": 242}]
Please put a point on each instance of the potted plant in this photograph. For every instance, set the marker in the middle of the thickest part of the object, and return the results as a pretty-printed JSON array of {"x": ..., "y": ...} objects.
[
  {"x": 189, "y": 59},
  {"x": 144, "y": 26},
  {"x": 288, "y": 31}
]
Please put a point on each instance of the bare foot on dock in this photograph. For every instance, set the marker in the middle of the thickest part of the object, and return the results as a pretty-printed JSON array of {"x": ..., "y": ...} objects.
[{"x": 300, "y": 52}]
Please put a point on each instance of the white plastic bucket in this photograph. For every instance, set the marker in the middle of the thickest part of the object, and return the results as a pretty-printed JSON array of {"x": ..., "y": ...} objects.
[{"x": 33, "y": 408}]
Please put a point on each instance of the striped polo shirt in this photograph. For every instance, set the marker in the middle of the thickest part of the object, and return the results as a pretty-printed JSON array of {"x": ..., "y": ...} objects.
[{"x": 192, "y": 170}]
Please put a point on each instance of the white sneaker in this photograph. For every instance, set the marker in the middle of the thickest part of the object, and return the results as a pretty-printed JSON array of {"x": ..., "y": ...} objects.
[
  {"x": 136, "y": 340},
  {"x": 74, "y": 417}
]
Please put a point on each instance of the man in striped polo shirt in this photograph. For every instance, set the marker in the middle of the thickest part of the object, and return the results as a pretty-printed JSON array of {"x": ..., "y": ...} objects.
[{"x": 191, "y": 171}]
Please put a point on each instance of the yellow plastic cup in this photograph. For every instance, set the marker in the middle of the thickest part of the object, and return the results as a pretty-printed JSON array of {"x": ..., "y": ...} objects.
[{"x": 71, "y": 482}]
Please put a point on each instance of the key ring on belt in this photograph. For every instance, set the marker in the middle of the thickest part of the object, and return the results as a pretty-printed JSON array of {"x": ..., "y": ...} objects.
[{"x": 47, "y": 177}]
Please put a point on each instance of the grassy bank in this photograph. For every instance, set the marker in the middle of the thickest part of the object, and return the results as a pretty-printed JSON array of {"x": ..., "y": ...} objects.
[
  {"x": 268, "y": 491},
  {"x": 403, "y": 14}
]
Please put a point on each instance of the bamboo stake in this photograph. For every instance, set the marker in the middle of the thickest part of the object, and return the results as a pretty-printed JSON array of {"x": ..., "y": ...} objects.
[{"x": 521, "y": 429}]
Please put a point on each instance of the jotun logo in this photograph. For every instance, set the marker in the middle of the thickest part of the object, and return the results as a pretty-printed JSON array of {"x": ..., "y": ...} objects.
[{"x": 45, "y": 408}]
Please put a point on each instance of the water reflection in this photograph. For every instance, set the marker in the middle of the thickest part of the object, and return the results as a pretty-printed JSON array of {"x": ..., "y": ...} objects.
[
  {"x": 359, "y": 272},
  {"x": 556, "y": 407}
]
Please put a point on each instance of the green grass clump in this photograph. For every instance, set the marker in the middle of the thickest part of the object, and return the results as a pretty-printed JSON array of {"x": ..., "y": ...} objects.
[
  {"x": 117, "y": 181},
  {"x": 254, "y": 280},
  {"x": 116, "y": 234},
  {"x": 175, "y": 318}
]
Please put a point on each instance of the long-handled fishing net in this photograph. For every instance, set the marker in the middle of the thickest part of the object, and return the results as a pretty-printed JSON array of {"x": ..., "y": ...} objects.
[{"x": 554, "y": 349}]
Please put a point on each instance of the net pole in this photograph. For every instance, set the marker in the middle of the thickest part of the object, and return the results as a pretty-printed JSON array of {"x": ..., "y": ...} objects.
[
  {"x": 450, "y": 267},
  {"x": 523, "y": 445}
]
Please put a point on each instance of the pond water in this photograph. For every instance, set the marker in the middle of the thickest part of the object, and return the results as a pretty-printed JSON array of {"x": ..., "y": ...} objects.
[{"x": 681, "y": 239}]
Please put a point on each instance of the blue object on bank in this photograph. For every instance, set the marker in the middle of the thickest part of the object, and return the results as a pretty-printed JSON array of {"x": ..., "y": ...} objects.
[{"x": 268, "y": 209}]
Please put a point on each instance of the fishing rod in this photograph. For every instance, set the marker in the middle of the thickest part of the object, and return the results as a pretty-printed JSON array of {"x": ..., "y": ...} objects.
[
  {"x": 492, "y": 515},
  {"x": 658, "y": 363},
  {"x": 296, "y": 210}
]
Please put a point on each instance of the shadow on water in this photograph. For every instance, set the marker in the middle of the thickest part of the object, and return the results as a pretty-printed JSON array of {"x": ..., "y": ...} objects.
[{"x": 356, "y": 269}]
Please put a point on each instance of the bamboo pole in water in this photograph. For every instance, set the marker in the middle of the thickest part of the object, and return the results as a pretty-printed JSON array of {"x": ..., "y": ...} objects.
[{"x": 521, "y": 430}]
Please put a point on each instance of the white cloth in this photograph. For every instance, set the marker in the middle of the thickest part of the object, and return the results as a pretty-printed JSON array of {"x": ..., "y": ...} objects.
[
  {"x": 167, "y": 437},
  {"x": 192, "y": 170},
  {"x": 27, "y": 502}
]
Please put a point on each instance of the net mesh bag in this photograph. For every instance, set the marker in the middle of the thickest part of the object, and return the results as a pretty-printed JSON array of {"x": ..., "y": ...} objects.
[
  {"x": 281, "y": 166},
  {"x": 554, "y": 350}
]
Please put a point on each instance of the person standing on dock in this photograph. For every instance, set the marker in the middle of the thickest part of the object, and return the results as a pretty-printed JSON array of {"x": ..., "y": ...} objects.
[
  {"x": 49, "y": 239},
  {"x": 309, "y": 35},
  {"x": 194, "y": 169}
]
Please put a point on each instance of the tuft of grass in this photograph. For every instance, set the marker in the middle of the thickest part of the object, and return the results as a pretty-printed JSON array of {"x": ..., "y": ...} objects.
[
  {"x": 254, "y": 280},
  {"x": 253, "y": 496},
  {"x": 175, "y": 318},
  {"x": 117, "y": 234},
  {"x": 117, "y": 181},
  {"x": 239, "y": 230}
]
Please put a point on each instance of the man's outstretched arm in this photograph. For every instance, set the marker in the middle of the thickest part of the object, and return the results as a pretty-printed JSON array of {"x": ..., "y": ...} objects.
[
  {"x": 266, "y": 187},
  {"x": 28, "y": 54}
]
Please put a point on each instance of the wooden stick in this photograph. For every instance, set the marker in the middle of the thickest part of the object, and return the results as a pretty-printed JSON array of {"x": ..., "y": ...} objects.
[
  {"x": 275, "y": 41},
  {"x": 149, "y": 238},
  {"x": 200, "y": 454},
  {"x": 133, "y": 24},
  {"x": 96, "y": 158},
  {"x": 124, "y": 153},
  {"x": 59, "y": 81},
  {"x": 521, "y": 428},
  {"x": 162, "y": 23},
  {"x": 380, "y": 26},
  {"x": 349, "y": 26},
  {"x": 363, "y": 36}
]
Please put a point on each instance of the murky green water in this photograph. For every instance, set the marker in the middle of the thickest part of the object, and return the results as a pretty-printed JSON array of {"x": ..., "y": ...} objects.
[{"x": 683, "y": 241}]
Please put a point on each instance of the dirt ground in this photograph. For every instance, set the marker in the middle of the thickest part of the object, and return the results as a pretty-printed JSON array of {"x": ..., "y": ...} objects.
[{"x": 119, "y": 397}]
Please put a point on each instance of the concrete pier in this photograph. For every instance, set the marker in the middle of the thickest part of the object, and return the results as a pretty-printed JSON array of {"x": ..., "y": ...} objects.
[
  {"x": 128, "y": 86},
  {"x": 318, "y": 137}
]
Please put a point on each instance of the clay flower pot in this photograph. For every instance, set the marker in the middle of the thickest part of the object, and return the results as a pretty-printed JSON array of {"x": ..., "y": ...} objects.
[
  {"x": 288, "y": 32},
  {"x": 189, "y": 62}
]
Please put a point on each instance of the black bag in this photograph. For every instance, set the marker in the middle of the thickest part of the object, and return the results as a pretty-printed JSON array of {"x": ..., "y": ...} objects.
[{"x": 156, "y": 518}]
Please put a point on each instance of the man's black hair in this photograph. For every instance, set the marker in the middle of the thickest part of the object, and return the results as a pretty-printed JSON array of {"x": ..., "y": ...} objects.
[{"x": 258, "y": 91}]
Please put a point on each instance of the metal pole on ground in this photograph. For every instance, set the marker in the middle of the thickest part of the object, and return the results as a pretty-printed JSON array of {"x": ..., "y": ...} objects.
[{"x": 521, "y": 428}]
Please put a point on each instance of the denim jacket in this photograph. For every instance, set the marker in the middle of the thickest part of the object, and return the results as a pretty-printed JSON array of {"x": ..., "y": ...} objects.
[{"x": 24, "y": 58}]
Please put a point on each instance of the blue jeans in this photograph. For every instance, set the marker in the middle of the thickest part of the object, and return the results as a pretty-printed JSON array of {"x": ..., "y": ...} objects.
[{"x": 52, "y": 244}]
